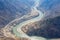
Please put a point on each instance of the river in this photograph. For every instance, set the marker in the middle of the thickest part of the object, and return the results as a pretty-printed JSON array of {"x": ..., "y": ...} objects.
[{"x": 17, "y": 29}]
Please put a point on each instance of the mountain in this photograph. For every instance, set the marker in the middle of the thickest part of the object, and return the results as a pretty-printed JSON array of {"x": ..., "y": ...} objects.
[
  {"x": 12, "y": 9},
  {"x": 49, "y": 28}
]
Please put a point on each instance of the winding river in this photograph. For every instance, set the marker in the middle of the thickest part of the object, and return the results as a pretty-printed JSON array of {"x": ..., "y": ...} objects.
[{"x": 17, "y": 29}]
